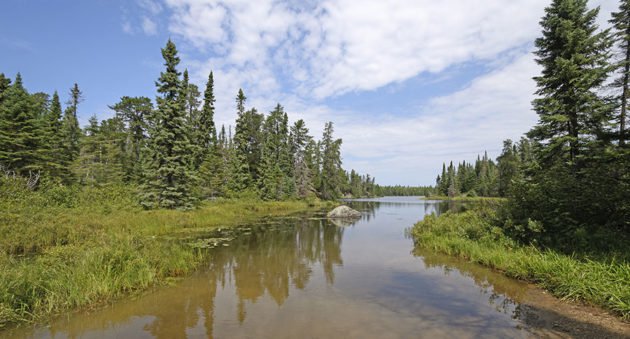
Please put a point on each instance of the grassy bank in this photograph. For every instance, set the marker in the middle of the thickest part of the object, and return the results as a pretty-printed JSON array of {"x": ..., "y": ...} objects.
[
  {"x": 471, "y": 235},
  {"x": 64, "y": 249}
]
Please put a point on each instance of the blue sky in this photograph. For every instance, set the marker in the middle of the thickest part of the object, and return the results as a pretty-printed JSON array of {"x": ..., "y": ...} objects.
[{"x": 408, "y": 83}]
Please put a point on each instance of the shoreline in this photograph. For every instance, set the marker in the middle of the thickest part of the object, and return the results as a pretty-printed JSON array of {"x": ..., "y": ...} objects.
[{"x": 104, "y": 257}]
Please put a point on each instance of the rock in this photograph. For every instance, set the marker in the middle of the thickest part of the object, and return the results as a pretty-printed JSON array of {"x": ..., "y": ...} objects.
[{"x": 344, "y": 212}]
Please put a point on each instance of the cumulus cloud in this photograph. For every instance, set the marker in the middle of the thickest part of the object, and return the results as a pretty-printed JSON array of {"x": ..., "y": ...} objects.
[
  {"x": 458, "y": 126},
  {"x": 304, "y": 53},
  {"x": 149, "y": 27}
]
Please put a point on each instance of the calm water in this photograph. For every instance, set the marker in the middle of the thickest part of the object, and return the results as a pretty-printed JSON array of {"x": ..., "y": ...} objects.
[{"x": 304, "y": 277}]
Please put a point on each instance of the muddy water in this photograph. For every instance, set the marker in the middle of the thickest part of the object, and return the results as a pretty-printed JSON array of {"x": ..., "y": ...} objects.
[{"x": 304, "y": 277}]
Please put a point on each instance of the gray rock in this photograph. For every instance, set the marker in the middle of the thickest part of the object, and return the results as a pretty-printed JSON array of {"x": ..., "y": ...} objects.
[{"x": 344, "y": 212}]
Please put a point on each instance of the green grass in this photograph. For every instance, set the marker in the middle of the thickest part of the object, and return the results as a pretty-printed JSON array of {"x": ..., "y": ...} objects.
[
  {"x": 471, "y": 235},
  {"x": 63, "y": 248}
]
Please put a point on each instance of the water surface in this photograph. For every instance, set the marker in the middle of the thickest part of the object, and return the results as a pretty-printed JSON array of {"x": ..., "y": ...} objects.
[{"x": 306, "y": 277}]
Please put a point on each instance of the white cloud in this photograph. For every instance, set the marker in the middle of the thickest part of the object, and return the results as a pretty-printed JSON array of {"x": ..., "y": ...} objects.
[
  {"x": 126, "y": 27},
  {"x": 149, "y": 27},
  {"x": 301, "y": 53},
  {"x": 333, "y": 47},
  {"x": 454, "y": 127}
]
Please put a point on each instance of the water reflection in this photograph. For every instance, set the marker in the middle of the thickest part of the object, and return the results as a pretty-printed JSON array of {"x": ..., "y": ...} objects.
[{"x": 288, "y": 278}]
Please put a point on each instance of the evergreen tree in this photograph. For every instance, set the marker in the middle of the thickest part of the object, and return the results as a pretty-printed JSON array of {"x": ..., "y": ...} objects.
[
  {"x": 56, "y": 164},
  {"x": 21, "y": 131},
  {"x": 248, "y": 140},
  {"x": 574, "y": 60},
  {"x": 508, "y": 166},
  {"x": 301, "y": 171},
  {"x": 5, "y": 83},
  {"x": 276, "y": 179},
  {"x": 168, "y": 178},
  {"x": 135, "y": 113},
  {"x": 312, "y": 158},
  {"x": 206, "y": 134},
  {"x": 330, "y": 177},
  {"x": 621, "y": 24},
  {"x": 101, "y": 158},
  {"x": 71, "y": 129}
]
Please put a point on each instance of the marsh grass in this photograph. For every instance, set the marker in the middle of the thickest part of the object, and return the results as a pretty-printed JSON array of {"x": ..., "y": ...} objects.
[
  {"x": 604, "y": 281},
  {"x": 66, "y": 248}
]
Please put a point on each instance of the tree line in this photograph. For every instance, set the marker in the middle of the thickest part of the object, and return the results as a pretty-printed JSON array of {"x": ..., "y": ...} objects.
[
  {"x": 171, "y": 149},
  {"x": 568, "y": 179}
]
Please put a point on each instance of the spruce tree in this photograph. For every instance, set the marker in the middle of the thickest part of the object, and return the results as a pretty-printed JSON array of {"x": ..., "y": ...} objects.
[
  {"x": 58, "y": 167},
  {"x": 21, "y": 131},
  {"x": 276, "y": 181},
  {"x": 301, "y": 171},
  {"x": 248, "y": 140},
  {"x": 167, "y": 171},
  {"x": 621, "y": 25},
  {"x": 574, "y": 61},
  {"x": 207, "y": 131},
  {"x": 330, "y": 177},
  {"x": 72, "y": 131}
]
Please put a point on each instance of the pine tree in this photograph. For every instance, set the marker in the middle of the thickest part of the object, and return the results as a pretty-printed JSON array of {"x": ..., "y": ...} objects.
[
  {"x": 21, "y": 131},
  {"x": 621, "y": 24},
  {"x": 574, "y": 61},
  {"x": 168, "y": 178}
]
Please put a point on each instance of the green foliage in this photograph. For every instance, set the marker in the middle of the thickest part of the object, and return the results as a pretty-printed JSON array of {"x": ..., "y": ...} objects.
[
  {"x": 167, "y": 172},
  {"x": 71, "y": 130},
  {"x": 399, "y": 190},
  {"x": 574, "y": 59},
  {"x": 302, "y": 175},
  {"x": 171, "y": 152},
  {"x": 331, "y": 175},
  {"x": 621, "y": 35},
  {"x": 22, "y": 131},
  {"x": 276, "y": 168},
  {"x": 135, "y": 113},
  {"x": 473, "y": 235},
  {"x": 572, "y": 190}
]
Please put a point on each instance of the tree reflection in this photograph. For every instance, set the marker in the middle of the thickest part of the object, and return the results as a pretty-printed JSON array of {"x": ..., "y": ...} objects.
[
  {"x": 271, "y": 260},
  {"x": 503, "y": 293}
]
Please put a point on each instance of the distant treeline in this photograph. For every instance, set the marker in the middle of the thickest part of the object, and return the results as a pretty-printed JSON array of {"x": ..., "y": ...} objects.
[
  {"x": 170, "y": 149},
  {"x": 399, "y": 190}
]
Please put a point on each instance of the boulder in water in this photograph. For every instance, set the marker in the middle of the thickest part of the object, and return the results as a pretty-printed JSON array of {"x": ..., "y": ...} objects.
[{"x": 344, "y": 212}]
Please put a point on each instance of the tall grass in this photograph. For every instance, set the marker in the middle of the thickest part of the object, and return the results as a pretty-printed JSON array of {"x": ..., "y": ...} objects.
[
  {"x": 66, "y": 248},
  {"x": 472, "y": 235}
]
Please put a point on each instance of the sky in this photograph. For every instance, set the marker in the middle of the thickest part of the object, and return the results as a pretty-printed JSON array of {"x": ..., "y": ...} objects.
[{"x": 408, "y": 84}]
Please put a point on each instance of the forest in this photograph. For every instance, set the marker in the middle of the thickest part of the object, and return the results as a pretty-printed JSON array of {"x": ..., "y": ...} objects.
[{"x": 170, "y": 150}]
